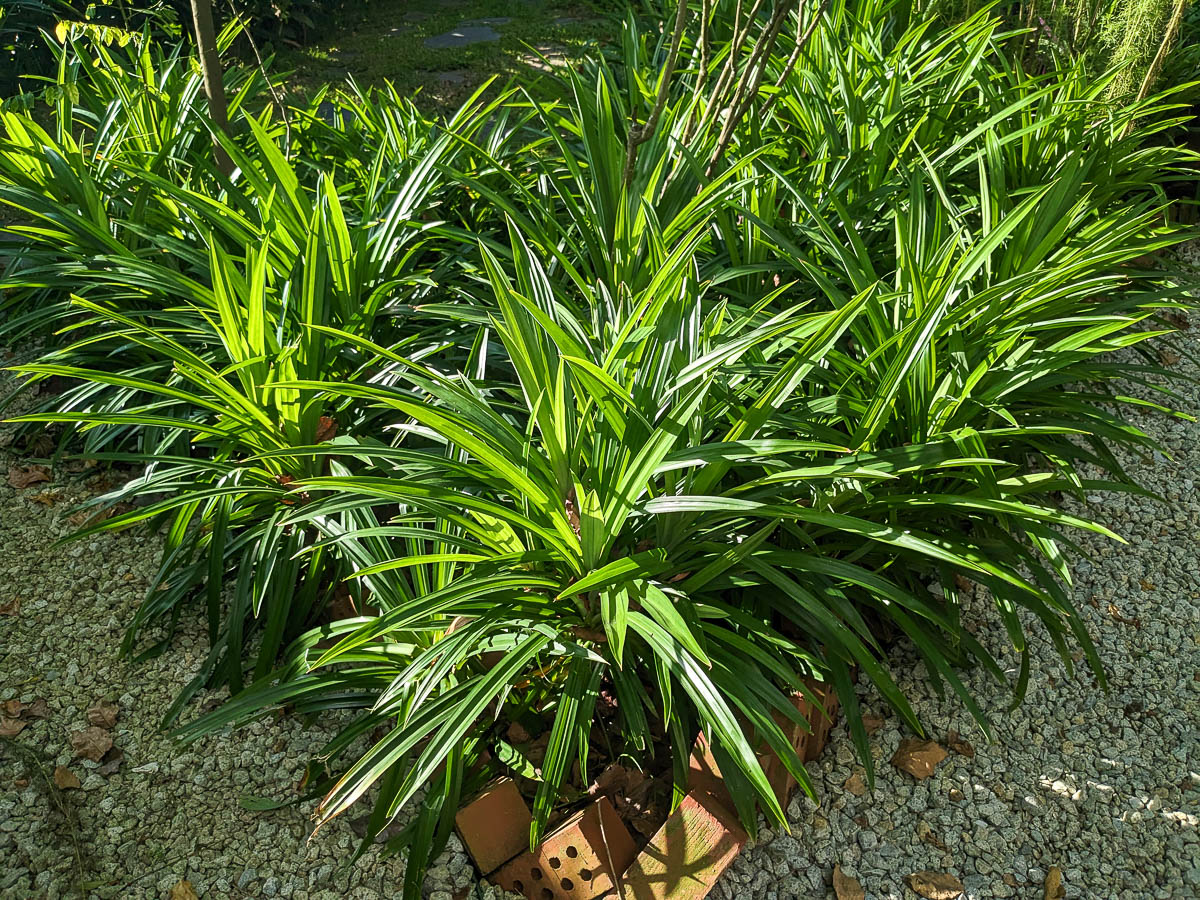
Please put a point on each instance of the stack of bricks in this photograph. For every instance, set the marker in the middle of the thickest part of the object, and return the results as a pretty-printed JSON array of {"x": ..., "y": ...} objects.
[{"x": 589, "y": 854}]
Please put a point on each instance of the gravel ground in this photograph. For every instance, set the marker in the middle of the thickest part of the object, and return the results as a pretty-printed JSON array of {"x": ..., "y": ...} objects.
[{"x": 1104, "y": 786}]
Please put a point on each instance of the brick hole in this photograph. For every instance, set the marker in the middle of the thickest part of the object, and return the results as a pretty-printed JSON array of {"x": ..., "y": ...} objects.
[
  {"x": 572, "y": 852},
  {"x": 519, "y": 886},
  {"x": 536, "y": 873},
  {"x": 585, "y": 874},
  {"x": 555, "y": 862},
  {"x": 568, "y": 884},
  {"x": 547, "y": 894}
]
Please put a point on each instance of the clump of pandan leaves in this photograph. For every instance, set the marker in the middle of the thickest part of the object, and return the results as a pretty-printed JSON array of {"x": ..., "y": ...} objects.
[{"x": 632, "y": 424}]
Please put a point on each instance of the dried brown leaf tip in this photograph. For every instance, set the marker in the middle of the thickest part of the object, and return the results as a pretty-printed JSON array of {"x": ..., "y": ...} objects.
[
  {"x": 10, "y": 727},
  {"x": 91, "y": 743},
  {"x": 872, "y": 723},
  {"x": 326, "y": 429},
  {"x": 182, "y": 890},
  {"x": 11, "y": 607},
  {"x": 936, "y": 885},
  {"x": 1167, "y": 356},
  {"x": 65, "y": 779},
  {"x": 959, "y": 746},
  {"x": 846, "y": 887},
  {"x": 23, "y": 476},
  {"x": 917, "y": 757},
  {"x": 103, "y": 713}
]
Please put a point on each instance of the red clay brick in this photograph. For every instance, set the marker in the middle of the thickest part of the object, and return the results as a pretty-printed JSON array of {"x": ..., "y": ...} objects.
[
  {"x": 578, "y": 861},
  {"x": 821, "y": 724},
  {"x": 688, "y": 854},
  {"x": 495, "y": 825}
]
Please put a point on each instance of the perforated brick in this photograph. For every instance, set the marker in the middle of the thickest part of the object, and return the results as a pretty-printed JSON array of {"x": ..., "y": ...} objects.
[{"x": 579, "y": 861}]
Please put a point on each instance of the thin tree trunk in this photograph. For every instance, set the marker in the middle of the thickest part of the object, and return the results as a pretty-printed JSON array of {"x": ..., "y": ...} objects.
[{"x": 214, "y": 81}]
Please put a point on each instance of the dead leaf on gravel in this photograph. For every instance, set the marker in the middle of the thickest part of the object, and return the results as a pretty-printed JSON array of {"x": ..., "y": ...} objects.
[
  {"x": 917, "y": 757},
  {"x": 20, "y": 477},
  {"x": 91, "y": 743},
  {"x": 37, "y": 709},
  {"x": 855, "y": 785},
  {"x": 959, "y": 746},
  {"x": 183, "y": 890},
  {"x": 10, "y": 727},
  {"x": 936, "y": 885},
  {"x": 103, "y": 713},
  {"x": 845, "y": 887},
  {"x": 872, "y": 723},
  {"x": 1167, "y": 357},
  {"x": 15, "y": 709},
  {"x": 48, "y": 498},
  {"x": 11, "y": 608},
  {"x": 1053, "y": 888},
  {"x": 1177, "y": 320},
  {"x": 929, "y": 836},
  {"x": 111, "y": 762},
  {"x": 65, "y": 779}
]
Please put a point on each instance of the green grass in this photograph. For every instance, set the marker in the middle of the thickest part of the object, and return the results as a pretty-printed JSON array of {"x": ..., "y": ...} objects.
[{"x": 386, "y": 43}]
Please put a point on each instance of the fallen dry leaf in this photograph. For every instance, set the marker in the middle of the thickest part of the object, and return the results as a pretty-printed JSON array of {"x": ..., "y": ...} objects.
[
  {"x": 929, "y": 836},
  {"x": 183, "y": 890},
  {"x": 23, "y": 477},
  {"x": 15, "y": 709},
  {"x": 91, "y": 743},
  {"x": 855, "y": 785},
  {"x": 917, "y": 757},
  {"x": 936, "y": 885},
  {"x": 37, "y": 709},
  {"x": 1167, "y": 356},
  {"x": 111, "y": 762},
  {"x": 845, "y": 887},
  {"x": 65, "y": 779},
  {"x": 959, "y": 746},
  {"x": 11, "y": 608},
  {"x": 10, "y": 727},
  {"x": 47, "y": 498},
  {"x": 872, "y": 723},
  {"x": 1053, "y": 888},
  {"x": 103, "y": 713},
  {"x": 1177, "y": 320},
  {"x": 1115, "y": 613}
]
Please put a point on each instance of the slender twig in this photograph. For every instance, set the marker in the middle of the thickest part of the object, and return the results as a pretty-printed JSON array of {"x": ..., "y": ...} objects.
[
  {"x": 705, "y": 44},
  {"x": 262, "y": 68},
  {"x": 640, "y": 134},
  {"x": 802, "y": 40},
  {"x": 748, "y": 85},
  {"x": 60, "y": 804}
]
